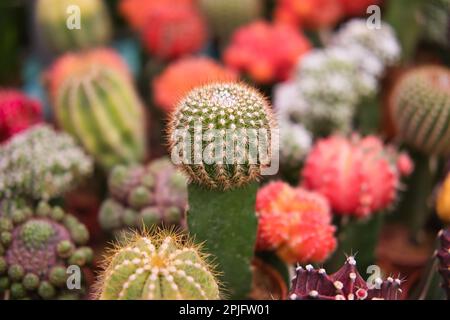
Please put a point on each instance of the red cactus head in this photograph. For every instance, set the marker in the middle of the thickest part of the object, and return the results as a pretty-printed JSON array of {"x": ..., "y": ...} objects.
[{"x": 295, "y": 223}]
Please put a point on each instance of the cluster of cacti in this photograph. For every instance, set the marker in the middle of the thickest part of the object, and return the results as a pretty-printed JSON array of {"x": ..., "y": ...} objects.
[
  {"x": 436, "y": 21},
  {"x": 225, "y": 16},
  {"x": 73, "y": 24},
  {"x": 144, "y": 196},
  {"x": 358, "y": 176},
  {"x": 420, "y": 105},
  {"x": 94, "y": 100},
  {"x": 17, "y": 112},
  {"x": 37, "y": 247},
  {"x": 266, "y": 52},
  {"x": 294, "y": 222},
  {"x": 163, "y": 266},
  {"x": 443, "y": 255},
  {"x": 173, "y": 30},
  {"x": 172, "y": 85},
  {"x": 345, "y": 284},
  {"x": 41, "y": 163}
]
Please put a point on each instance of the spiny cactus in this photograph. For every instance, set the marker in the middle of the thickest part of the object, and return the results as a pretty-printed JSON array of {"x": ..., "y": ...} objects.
[
  {"x": 17, "y": 112},
  {"x": 172, "y": 85},
  {"x": 436, "y": 21},
  {"x": 359, "y": 176},
  {"x": 94, "y": 100},
  {"x": 420, "y": 104},
  {"x": 163, "y": 266},
  {"x": 41, "y": 163},
  {"x": 294, "y": 222},
  {"x": 266, "y": 52},
  {"x": 55, "y": 20},
  {"x": 37, "y": 246},
  {"x": 233, "y": 109},
  {"x": 173, "y": 30},
  {"x": 345, "y": 284},
  {"x": 443, "y": 256},
  {"x": 154, "y": 194},
  {"x": 224, "y": 16}
]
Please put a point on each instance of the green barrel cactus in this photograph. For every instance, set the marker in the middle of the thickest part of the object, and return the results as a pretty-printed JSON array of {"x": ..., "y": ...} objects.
[
  {"x": 163, "y": 266},
  {"x": 37, "y": 246},
  {"x": 73, "y": 24},
  {"x": 41, "y": 163},
  {"x": 420, "y": 104},
  {"x": 212, "y": 139},
  {"x": 148, "y": 195}
]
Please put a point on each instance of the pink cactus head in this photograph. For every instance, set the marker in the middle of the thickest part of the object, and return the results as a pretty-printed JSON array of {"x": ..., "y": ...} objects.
[
  {"x": 295, "y": 223},
  {"x": 443, "y": 255},
  {"x": 359, "y": 176}
]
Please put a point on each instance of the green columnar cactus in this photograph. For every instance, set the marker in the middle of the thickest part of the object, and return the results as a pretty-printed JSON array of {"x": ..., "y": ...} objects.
[
  {"x": 436, "y": 21},
  {"x": 58, "y": 20},
  {"x": 41, "y": 163},
  {"x": 224, "y": 16},
  {"x": 211, "y": 123},
  {"x": 159, "y": 267},
  {"x": 154, "y": 194},
  {"x": 36, "y": 248}
]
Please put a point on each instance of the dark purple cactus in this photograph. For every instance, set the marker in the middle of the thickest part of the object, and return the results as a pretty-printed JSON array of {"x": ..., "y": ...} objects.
[
  {"x": 443, "y": 256},
  {"x": 345, "y": 284}
]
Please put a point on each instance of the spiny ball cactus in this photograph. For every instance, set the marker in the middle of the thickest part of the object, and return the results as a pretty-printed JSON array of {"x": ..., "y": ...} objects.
[
  {"x": 159, "y": 267},
  {"x": 95, "y": 101},
  {"x": 73, "y": 24},
  {"x": 150, "y": 195},
  {"x": 41, "y": 163},
  {"x": 359, "y": 176},
  {"x": 17, "y": 112},
  {"x": 294, "y": 222},
  {"x": 443, "y": 256},
  {"x": 36, "y": 248},
  {"x": 345, "y": 284},
  {"x": 266, "y": 52},
  {"x": 172, "y": 85},
  {"x": 436, "y": 21},
  {"x": 420, "y": 105},
  {"x": 443, "y": 201},
  {"x": 229, "y": 116},
  {"x": 224, "y": 16},
  {"x": 173, "y": 30}
]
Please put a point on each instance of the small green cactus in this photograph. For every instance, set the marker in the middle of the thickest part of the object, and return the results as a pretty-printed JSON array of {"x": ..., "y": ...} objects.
[
  {"x": 41, "y": 163},
  {"x": 163, "y": 266},
  {"x": 36, "y": 248}
]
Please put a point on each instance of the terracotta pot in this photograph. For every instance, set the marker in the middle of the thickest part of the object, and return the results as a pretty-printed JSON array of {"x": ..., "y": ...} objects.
[{"x": 267, "y": 282}]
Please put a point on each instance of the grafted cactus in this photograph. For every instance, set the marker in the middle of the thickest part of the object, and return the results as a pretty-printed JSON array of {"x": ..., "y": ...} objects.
[{"x": 443, "y": 256}]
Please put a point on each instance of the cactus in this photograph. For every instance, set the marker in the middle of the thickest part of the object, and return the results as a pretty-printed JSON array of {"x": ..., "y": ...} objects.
[
  {"x": 294, "y": 222},
  {"x": 443, "y": 255},
  {"x": 94, "y": 100},
  {"x": 17, "y": 113},
  {"x": 40, "y": 163},
  {"x": 224, "y": 16},
  {"x": 163, "y": 266},
  {"x": 37, "y": 246},
  {"x": 436, "y": 22},
  {"x": 55, "y": 18},
  {"x": 420, "y": 104},
  {"x": 173, "y": 30},
  {"x": 266, "y": 52},
  {"x": 443, "y": 201},
  {"x": 345, "y": 284},
  {"x": 170, "y": 86},
  {"x": 223, "y": 187},
  {"x": 154, "y": 194}
]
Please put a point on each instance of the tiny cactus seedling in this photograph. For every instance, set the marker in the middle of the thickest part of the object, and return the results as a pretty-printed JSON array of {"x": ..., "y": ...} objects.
[
  {"x": 163, "y": 266},
  {"x": 150, "y": 195},
  {"x": 345, "y": 284},
  {"x": 41, "y": 163},
  {"x": 420, "y": 105},
  {"x": 443, "y": 256},
  {"x": 36, "y": 248}
]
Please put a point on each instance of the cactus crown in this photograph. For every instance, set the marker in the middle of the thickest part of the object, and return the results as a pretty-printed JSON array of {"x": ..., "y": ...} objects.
[
  {"x": 223, "y": 115},
  {"x": 158, "y": 266}
]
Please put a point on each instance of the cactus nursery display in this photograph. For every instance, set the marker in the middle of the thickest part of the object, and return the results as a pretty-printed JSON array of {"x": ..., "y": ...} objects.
[{"x": 228, "y": 150}]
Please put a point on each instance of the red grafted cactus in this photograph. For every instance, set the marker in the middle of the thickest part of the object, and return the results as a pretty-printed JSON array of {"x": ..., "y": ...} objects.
[
  {"x": 359, "y": 176},
  {"x": 294, "y": 222},
  {"x": 345, "y": 284},
  {"x": 443, "y": 256},
  {"x": 17, "y": 112},
  {"x": 266, "y": 52}
]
